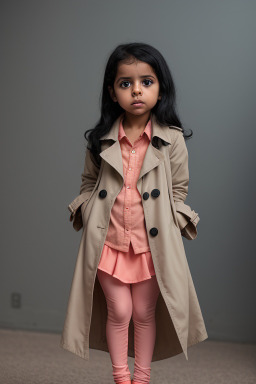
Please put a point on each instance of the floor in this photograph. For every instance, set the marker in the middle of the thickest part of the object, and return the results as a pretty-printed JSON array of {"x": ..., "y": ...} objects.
[{"x": 36, "y": 358}]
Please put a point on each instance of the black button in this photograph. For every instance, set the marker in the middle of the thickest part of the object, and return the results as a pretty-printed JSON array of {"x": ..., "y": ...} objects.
[
  {"x": 103, "y": 193},
  {"x": 145, "y": 195},
  {"x": 153, "y": 231},
  {"x": 155, "y": 142},
  {"x": 155, "y": 192}
]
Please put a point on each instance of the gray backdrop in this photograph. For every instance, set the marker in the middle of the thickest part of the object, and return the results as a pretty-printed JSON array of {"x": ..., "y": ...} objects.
[{"x": 53, "y": 55}]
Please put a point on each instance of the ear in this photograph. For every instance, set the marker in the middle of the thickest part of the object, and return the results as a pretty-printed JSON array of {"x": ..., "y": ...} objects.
[
  {"x": 112, "y": 93},
  {"x": 159, "y": 97}
]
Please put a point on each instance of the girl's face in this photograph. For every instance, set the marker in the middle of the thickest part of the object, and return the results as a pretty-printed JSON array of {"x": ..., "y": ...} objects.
[{"x": 135, "y": 81}]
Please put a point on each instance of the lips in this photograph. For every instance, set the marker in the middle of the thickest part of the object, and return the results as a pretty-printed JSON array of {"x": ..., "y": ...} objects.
[{"x": 138, "y": 102}]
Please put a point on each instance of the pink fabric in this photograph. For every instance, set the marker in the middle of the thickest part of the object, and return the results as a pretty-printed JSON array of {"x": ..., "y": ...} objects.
[
  {"x": 126, "y": 253},
  {"x": 123, "y": 302},
  {"x": 126, "y": 266},
  {"x": 127, "y": 222}
]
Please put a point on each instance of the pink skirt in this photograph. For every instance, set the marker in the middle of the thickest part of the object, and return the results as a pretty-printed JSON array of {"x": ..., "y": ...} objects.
[{"x": 127, "y": 266}]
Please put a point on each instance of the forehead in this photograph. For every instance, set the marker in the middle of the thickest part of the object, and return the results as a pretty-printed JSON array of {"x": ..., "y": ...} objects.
[{"x": 134, "y": 68}]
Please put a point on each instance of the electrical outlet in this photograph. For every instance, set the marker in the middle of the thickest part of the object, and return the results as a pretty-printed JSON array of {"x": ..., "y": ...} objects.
[{"x": 15, "y": 300}]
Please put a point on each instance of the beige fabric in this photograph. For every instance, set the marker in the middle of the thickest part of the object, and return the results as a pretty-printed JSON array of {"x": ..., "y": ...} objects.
[{"x": 179, "y": 321}]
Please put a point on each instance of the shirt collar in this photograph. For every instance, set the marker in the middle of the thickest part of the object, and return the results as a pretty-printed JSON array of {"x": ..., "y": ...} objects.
[{"x": 122, "y": 133}]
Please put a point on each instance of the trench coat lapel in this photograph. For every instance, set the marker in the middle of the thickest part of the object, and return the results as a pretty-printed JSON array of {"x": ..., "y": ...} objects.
[{"x": 153, "y": 156}]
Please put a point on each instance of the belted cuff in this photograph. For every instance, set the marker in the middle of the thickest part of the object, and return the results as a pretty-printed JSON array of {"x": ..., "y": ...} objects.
[
  {"x": 187, "y": 220},
  {"x": 75, "y": 209}
]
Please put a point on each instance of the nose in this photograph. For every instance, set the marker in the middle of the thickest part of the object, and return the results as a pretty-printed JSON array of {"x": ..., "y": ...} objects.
[{"x": 136, "y": 89}]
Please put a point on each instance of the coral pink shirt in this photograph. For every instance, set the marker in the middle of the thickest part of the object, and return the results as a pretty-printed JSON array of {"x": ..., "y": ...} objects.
[
  {"x": 127, "y": 222},
  {"x": 126, "y": 253}
]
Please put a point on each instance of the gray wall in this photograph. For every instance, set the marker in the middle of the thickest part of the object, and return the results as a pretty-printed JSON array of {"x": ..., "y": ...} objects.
[{"x": 52, "y": 64}]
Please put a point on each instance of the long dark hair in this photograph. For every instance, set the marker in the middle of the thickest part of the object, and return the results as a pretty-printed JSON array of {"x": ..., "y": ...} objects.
[{"x": 164, "y": 110}]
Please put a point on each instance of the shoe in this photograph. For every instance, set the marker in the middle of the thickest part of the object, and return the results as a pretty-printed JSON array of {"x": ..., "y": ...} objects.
[
  {"x": 125, "y": 382},
  {"x": 135, "y": 382}
]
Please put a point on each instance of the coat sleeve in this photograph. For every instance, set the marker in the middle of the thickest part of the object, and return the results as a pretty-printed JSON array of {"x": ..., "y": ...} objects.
[
  {"x": 187, "y": 218},
  {"x": 89, "y": 179}
]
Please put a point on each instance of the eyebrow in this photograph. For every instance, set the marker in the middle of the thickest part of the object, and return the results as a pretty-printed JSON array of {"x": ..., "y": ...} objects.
[{"x": 127, "y": 78}]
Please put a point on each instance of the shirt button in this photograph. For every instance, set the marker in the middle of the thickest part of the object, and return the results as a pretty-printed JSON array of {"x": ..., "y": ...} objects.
[
  {"x": 130, "y": 169},
  {"x": 128, "y": 186},
  {"x": 133, "y": 151}
]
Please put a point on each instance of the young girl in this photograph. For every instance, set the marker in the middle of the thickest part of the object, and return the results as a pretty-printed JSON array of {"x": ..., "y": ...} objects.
[{"x": 132, "y": 292}]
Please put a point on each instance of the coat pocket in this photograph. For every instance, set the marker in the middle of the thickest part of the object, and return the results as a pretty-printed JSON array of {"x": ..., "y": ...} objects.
[{"x": 187, "y": 220}]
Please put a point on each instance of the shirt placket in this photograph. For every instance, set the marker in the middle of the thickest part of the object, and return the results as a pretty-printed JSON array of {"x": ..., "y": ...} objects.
[{"x": 129, "y": 187}]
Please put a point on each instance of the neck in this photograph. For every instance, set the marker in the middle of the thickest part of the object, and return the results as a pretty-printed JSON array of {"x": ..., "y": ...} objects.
[{"x": 136, "y": 123}]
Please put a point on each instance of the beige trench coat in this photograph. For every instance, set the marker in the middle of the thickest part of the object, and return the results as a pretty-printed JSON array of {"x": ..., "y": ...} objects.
[{"x": 179, "y": 321}]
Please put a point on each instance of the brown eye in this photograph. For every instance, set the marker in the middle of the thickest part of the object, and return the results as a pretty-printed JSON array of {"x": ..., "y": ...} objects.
[
  {"x": 124, "y": 82},
  {"x": 146, "y": 80}
]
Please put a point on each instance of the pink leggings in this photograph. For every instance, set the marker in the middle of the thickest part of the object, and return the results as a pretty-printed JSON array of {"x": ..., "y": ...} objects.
[{"x": 123, "y": 301}]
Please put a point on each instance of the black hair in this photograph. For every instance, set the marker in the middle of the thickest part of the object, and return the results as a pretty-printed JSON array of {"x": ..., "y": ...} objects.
[{"x": 164, "y": 110}]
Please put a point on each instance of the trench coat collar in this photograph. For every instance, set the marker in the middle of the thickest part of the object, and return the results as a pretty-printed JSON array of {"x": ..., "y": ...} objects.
[{"x": 112, "y": 153}]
